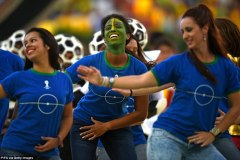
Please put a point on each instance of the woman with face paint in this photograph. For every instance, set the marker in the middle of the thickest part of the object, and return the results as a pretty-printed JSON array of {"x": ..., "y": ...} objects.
[
  {"x": 101, "y": 113},
  {"x": 203, "y": 76}
]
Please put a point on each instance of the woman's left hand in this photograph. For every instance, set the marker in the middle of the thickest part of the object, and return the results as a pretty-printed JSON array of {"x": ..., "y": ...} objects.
[
  {"x": 51, "y": 142},
  {"x": 202, "y": 138},
  {"x": 93, "y": 131}
]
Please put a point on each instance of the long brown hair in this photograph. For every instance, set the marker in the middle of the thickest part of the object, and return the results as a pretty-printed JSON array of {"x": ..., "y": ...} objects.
[
  {"x": 202, "y": 15},
  {"x": 230, "y": 33}
]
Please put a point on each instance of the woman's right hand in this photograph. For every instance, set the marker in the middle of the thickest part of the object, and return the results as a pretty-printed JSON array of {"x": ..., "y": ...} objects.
[{"x": 90, "y": 74}]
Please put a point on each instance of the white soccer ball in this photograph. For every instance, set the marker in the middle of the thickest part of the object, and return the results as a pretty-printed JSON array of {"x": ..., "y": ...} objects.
[
  {"x": 139, "y": 31},
  {"x": 4, "y": 45},
  {"x": 16, "y": 43},
  {"x": 96, "y": 43},
  {"x": 71, "y": 49}
]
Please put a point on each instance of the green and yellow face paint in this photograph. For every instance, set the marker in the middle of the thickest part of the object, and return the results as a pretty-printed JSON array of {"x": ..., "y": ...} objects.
[{"x": 115, "y": 35}]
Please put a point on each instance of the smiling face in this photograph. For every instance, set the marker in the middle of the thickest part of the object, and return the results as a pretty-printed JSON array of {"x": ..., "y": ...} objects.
[
  {"x": 192, "y": 34},
  {"x": 35, "y": 49},
  {"x": 115, "y": 33}
]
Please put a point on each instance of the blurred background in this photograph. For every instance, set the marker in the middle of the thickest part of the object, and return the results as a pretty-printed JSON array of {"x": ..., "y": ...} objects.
[{"x": 81, "y": 18}]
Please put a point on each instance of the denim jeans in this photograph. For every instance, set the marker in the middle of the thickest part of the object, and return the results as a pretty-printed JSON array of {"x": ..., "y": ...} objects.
[
  {"x": 118, "y": 144},
  {"x": 228, "y": 149},
  {"x": 12, "y": 154},
  {"x": 164, "y": 146},
  {"x": 141, "y": 150}
]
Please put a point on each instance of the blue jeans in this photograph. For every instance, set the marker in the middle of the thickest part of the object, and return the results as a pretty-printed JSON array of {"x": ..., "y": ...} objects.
[
  {"x": 164, "y": 146},
  {"x": 141, "y": 150},
  {"x": 118, "y": 144},
  {"x": 227, "y": 148},
  {"x": 10, "y": 154}
]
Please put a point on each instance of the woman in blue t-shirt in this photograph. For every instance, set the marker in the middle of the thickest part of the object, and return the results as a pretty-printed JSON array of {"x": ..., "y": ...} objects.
[
  {"x": 133, "y": 48},
  {"x": 44, "y": 97},
  {"x": 231, "y": 36},
  {"x": 101, "y": 112},
  {"x": 203, "y": 76}
]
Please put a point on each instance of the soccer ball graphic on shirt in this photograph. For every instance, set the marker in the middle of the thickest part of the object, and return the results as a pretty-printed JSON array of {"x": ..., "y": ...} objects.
[
  {"x": 16, "y": 43},
  {"x": 71, "y": 49},
  {"x": 139, "y": 31}
]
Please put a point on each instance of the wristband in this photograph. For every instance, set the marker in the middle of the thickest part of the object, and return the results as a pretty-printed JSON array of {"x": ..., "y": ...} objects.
[
  {"x": 215, "y": 131},
  {"x": 105, "y": 81},
  {"x": 131, "y": 92},
  {"x": 111, "y": 81}
]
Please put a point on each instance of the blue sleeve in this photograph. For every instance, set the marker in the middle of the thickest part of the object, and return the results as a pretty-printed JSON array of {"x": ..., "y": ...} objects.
[
  {"x": 9, "y": 84},
  {"x": 72, "y": 70},
  {"x": 18, "y": 63},
  {"x": 233, "y": 84},
  {"x": 166, "y": 71},
  {"x": 70, "y": 95}
]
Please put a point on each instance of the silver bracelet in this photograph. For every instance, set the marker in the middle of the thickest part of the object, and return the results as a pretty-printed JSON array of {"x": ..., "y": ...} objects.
[
  {"x": 105, "y": 81},
  {"x": 111, "y": 81}
]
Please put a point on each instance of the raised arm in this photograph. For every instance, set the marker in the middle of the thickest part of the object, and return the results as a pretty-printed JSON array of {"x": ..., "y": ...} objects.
[{"x": 93, "y": 75}]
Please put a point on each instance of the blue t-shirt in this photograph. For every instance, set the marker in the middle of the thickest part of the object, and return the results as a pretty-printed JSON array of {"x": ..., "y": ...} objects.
[
  {"x": 137, "y": 131},
  {"x": 41, "y": 99},
  {"x": 224, "y": 107},
  {"x": 196, "y": 99},
  {"x": 9, "y": 63},
  {"x": 101, "y": 102}
]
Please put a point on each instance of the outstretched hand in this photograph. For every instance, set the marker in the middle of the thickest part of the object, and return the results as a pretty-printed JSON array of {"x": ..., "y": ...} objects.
[{"x": 90, "y": 74}]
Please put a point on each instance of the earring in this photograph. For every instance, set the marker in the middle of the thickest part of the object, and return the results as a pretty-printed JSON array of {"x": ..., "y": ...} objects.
[{"x": 204, "y": 37}]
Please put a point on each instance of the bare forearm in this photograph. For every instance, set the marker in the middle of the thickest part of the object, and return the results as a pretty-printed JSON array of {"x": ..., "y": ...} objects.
[
  {"x": 150, "y": 90},
  {"x": 2, "y": 92},
  {"x": 237, "y": 121},
  {"x": 139, "y": 115},
  {"x": 135, "y": 82},
  {"x": 67, "y": 121},
  {"x": 229, "y": 119},
  {"x": 128, "y": 120}
]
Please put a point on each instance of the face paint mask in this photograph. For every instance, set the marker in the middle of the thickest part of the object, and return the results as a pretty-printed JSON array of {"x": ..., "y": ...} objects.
[{"x": 115, "y": 36}]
